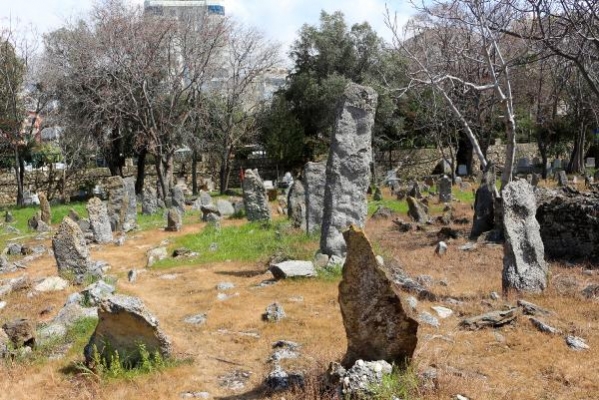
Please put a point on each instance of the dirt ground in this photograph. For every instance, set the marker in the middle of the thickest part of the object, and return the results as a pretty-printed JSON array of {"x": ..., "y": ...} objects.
[{"x": 513, "y": 362}]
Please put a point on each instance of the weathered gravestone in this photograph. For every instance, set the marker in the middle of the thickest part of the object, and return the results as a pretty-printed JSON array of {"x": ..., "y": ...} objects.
[
  {"x": 99, "y": 221},
  {"x": 376, "y": 323},
  {"x": 118, "y": 200},
  {"x": 296, "y": 204},
  {"x": 314, "y": 184},
  {"x": 178, "y": 198},
  {"x": 414, "y": 190},
  {"x": 225, "y": 208},
  {"x": 149, "y": 204},
  {"x": 125, "y": 323},
  {"x": 444, "y": 189},
  {"x": 70, "y": 249},
  {"x": 484, "y": 205},
  {"x": 524, "y": 266},
  {"x": 45, "y": 209},
  {"x": 417, "y": 211},
  {"x": 131, "y": 211},
  {"x": 174, "y": 220},
  {"x": 348, "y": 167},
  {"x": 562, "y": 178},
  {"x": 254, "y": 197}
]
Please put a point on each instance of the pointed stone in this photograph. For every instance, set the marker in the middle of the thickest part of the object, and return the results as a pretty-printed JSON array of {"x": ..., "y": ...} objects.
[{"x": 376, "y": 322}]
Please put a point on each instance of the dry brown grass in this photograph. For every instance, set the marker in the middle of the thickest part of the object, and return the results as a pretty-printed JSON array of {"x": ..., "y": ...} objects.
[{"x": 507, "y": 363}]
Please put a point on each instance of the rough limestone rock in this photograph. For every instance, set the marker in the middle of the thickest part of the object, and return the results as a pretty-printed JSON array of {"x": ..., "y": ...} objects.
[
  {"x": 254, "y": 197},
  {"x": 156, "y": 254},
  {"x": 296, "y": 205},
  {"x": 210, "y": 212},
  {"x": 493, "y": 319},
  {"x": 70, "y": 249},
  {"x": 376, "y": 323},
  {"x": 569, "y": 224},
  {"x": 314, "y": 185},
  {"x": 174, "y": 221},
  {"x": 417, "y": 211},
  {"x": 293, "y": 269},
  {"x": 149, "y": 203},
  {"x": 21, "y": 332},
  {"x": 51, "y": 284},
  {"x": 225, "y": 208},
  {"x": 205, "y": 198},
  {"x": 178, "y": 198},
  {"x": 274, "y": 313},
  {"x": 131, "y": 212},
  {"x": 46, "y": 211},
  {"x": 118, "y": 201},
  {"x": 484, "y": 205},
  {"x": 124, "y": 323},
  {"x": 348, "y": 167},
  {"x": 444, "y": 189},
  {"x": 524, "y": 266},
  {"x": 99, "y": 221}
]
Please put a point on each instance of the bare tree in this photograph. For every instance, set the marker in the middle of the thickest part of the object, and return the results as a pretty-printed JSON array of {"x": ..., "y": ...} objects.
[
  {"x": 235, "y": 96},
  {"x": 465, "y": 27}
]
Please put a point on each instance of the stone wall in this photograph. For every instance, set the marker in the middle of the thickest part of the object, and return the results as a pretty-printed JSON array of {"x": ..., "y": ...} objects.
[
  {"x": 418, "y": 163},
  {"x": 569, "y": 224}
]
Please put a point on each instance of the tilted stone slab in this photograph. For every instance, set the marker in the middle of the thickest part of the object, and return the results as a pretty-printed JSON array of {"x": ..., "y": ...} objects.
[{"x": 377, "y": 325}]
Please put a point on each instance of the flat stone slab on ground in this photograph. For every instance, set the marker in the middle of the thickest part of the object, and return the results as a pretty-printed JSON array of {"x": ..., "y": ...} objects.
[
  {"x": 293, "y": 269},
  {"x": 491, "y": 319}
]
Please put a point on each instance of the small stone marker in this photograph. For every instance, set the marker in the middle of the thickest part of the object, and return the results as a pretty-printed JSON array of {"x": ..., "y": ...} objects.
[
  {"x": 45, "y": 209},
  {"x": 174, "y": 220},
  {"x": 444, "y": 189},
  {"x": 70, "y": 249}
]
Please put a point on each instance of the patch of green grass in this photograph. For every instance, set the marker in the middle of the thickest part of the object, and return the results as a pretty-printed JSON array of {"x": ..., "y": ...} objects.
[
  {"x": 400, "y": 383},
  {"x": 466, "y": 196},
  {"x": 250, "y": 242},
  {"x": 332, "y": 273},
  {"x": 113, "y": 365}
]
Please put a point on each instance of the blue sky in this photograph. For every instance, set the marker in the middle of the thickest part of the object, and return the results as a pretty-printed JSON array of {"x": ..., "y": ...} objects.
[{"x": 279, "y": 19}]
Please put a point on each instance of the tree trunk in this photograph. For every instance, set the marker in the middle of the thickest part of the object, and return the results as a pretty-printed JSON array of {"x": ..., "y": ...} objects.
[
  {"x": 141, "y": 171},
  {"x": 510, "y": 149},
  {"x": 20, "y": 175},
  {"x": 576, "y": 163},
  {"x": 161, "y": 186},
  {"x": 194, "y": 172}
]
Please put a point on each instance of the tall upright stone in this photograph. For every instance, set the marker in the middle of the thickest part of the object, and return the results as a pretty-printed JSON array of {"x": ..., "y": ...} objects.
[
  {"x": 296, "y": 205},
  {"x": 118, "y": 202},
  {"x": 70, "y": 249},
  {"x": 99, "y": 221},
  {"x": 348, "y": 167},
  {"x": 444, "y": 189},
  {"x": 131, "y": 212},
  {"x": 178, "y": 199},
  {"x": 254, "y": 197},
  {"x": 562, "y": 178},
  {"x": 45, "y": 209},
  {"x": 315, "y": 179},
  {"x": 377, "y": 325},
  {"x": 149, "y": 204},
  {"x": 524, "y": 266},
  {"x": 484, "y": 205}
]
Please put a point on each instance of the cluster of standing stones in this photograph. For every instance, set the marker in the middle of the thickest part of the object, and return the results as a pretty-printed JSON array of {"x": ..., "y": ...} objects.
[{"x": 330, "y": 198}]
